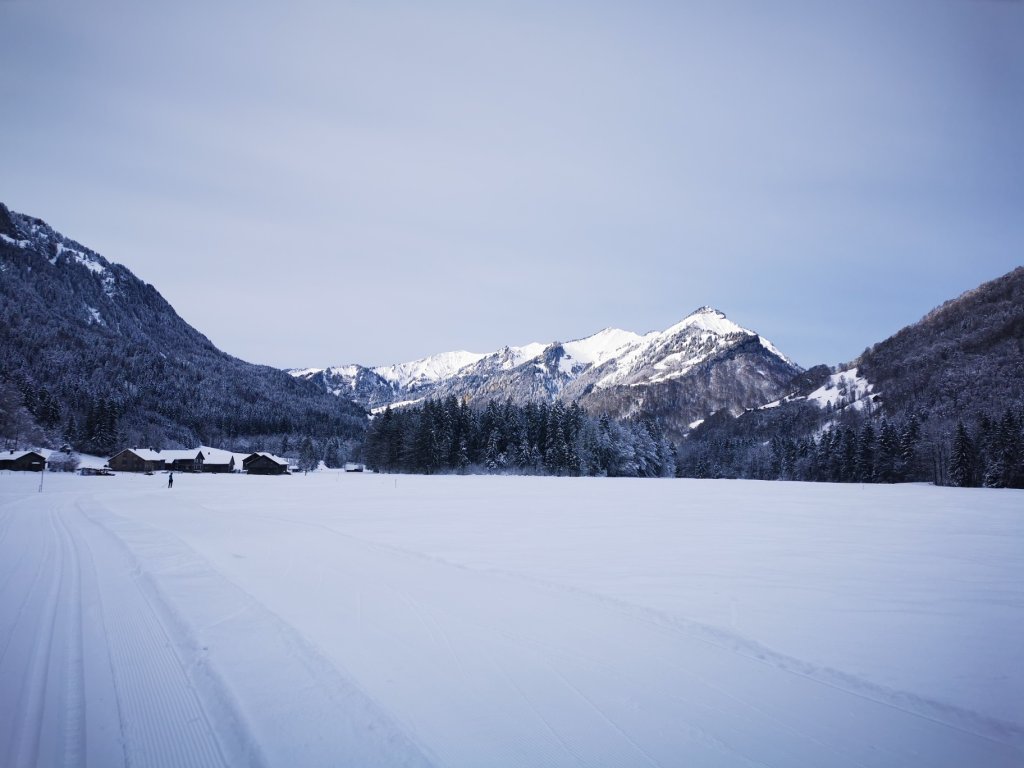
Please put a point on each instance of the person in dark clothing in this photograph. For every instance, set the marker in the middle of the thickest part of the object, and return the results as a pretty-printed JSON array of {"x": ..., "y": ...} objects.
[{"x": 170, "y": 480}]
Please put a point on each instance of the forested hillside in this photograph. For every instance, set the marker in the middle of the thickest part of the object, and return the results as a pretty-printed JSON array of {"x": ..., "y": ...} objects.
[
  {"x": 946, "y": 405},
  {"x": 101, "y": 360}
]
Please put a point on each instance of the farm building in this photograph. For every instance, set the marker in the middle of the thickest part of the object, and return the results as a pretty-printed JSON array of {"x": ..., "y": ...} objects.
[
  {"x": 22, "y": 461},
  {"x": 136, "y": 460},
  {"x": 265, "y": 464},
  {"x": 183, "y": 461},
  {"x": 218, "y": 461},
  {"x": 201, "y": 459}
]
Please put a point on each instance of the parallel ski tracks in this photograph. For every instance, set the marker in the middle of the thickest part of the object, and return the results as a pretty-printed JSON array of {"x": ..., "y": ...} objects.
[
  {"x": 162, "y": 719},
  {"x": 23, "y": 744},
  {"x": 45, "y": 674}
]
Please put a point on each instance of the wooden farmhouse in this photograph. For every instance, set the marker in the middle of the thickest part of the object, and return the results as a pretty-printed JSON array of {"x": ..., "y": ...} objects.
[
  {"x": 183, "y": 461},
  {"x": 202, "y": 459},
  {"x": 265, "y": 464},
  {"x": 22, "y": 461},
  {"x": 218, "y": 461},
  {"x": 137, "y": 460}
]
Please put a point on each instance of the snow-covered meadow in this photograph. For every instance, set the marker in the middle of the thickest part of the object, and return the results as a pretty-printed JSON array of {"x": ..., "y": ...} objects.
[{"x": 346, "y": 619}]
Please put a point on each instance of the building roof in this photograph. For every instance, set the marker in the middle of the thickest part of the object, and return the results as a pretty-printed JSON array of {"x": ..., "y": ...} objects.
[
  {"x": 146, "y": 454},
  {"x": 219, "y": 456},
  {"x": 11, "y": 455},
  {"x": 188, "y": 454},
  {"x": 272, "y": 457}
]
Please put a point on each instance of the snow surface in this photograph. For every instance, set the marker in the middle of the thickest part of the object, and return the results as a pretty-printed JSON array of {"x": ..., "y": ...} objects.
[
  {"x": 84, "y": 459},
  {"x": 429, "y": 369},
  {"x": 11, "y": 454},
  {"x": 16, "y": 243},
  {"x": 220, "y": 456},
  {"x": 91, "y": 263},
  {"x": 360, "y": 619},
  {"x": 843, "y": 389},
  {"x": 302, "y": 373},
  {"x": 602, "y": 346},
  {"x": 520, "y": 355},
  {"x": 706, "y": 319},
  {"x": 394, "y": 406}
]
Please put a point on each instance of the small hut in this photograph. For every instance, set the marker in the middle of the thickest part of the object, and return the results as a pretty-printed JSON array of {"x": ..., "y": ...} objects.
[
  {"x": 22, "y": 461},
  {"x": 265, "y": 464}
]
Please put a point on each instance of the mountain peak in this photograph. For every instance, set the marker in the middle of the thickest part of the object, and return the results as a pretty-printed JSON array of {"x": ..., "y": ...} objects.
[
  {"x": 706, "y": 319},
  {"x": 609, "y": 371}
]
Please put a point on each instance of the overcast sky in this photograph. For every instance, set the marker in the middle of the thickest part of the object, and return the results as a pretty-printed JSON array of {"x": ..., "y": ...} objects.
[{"x": 319, "y": 183}]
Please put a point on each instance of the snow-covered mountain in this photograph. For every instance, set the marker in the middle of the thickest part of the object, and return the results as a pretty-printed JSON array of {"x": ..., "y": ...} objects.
[
  {"x": 102, "y": 360},
  {"x": 700, "y": 365}
]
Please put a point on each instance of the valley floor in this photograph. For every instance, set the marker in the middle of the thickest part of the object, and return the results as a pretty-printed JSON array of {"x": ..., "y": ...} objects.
[{"x": 343, "y": 619}]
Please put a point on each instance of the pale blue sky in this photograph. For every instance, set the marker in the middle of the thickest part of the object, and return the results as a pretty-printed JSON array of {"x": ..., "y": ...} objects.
[{"x": 320, "y": 183}]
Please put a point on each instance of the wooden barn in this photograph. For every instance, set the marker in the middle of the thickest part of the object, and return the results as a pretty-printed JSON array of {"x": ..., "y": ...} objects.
[
  {"x": 217, "y": 461},
  {"x": 137, "y": 460},
  {"x": 183, "y": 461},
  {"x": 22, "y": 461},
  {"x": 265, "y": 464}
]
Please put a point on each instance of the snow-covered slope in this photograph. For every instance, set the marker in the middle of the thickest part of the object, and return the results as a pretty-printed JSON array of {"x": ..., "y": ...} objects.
[
  {"x": 428, "y": 370},
  {"x": 86, "y": 335},
  {"x": 840, "y": 390},
  {"x": 704, "y": 354}
]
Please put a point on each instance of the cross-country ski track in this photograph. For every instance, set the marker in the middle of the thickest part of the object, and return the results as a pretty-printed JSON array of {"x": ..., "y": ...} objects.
[{"x": 333, "y": 620}]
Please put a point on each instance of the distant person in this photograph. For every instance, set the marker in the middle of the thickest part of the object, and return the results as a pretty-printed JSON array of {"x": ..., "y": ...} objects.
[{"x": 170, "y": 480}]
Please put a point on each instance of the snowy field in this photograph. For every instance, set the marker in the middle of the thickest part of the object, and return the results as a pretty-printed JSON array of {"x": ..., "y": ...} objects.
[{"x": 343, "y": 619}]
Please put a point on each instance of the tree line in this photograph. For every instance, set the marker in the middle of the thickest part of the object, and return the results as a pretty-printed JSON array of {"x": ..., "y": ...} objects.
[
  {"x": 859, "y": 447},
  {"x": 450, "y": 436},
  {"x": 444, "y": 436}
]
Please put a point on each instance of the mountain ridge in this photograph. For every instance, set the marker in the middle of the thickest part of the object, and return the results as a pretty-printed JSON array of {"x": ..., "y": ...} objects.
[
  {"x": 611, "y": 370},
  {"x": 101, "y": 359}
]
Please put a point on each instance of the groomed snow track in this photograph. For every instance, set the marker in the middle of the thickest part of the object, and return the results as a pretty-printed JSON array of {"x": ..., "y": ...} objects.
[{"x": 98, "y": 668}]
